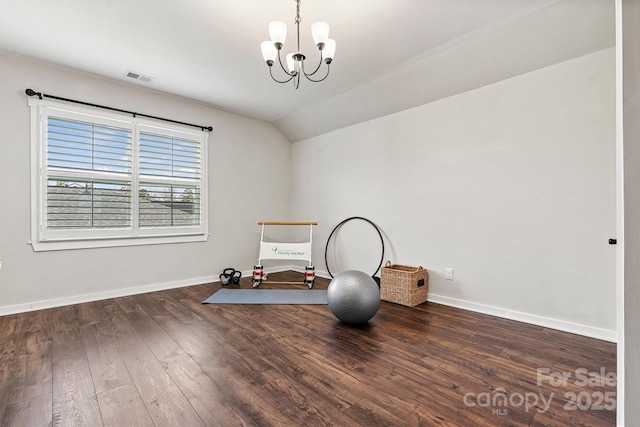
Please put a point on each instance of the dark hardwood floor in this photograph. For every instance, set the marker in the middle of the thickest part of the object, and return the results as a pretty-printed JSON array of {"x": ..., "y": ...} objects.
[{"x": 164, "y": 358}]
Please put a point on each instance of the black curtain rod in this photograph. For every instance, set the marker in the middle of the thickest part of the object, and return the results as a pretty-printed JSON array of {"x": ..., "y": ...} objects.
[{"x": 32, "y": 92}]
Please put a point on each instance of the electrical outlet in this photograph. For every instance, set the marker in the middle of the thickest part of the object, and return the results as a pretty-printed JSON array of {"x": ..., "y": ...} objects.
[{"x": 448, "y": 273}]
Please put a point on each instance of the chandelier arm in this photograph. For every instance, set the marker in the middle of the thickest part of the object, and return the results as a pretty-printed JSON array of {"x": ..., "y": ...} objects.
[
  {"x": 279, "y": 81},
  {"x": 307, "y": 75},
  {"x": 283, "y": 67},
  {"x": 318, "y": 81}
]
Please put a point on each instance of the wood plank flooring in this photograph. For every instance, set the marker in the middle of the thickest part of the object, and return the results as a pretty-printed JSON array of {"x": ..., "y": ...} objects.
[{"x": 164, "y": 358}]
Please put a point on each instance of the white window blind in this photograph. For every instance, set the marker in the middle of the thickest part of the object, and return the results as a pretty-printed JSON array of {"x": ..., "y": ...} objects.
[
  {"x": 78, "y": 155},
  {"x": 73, "y": 144},
  {"x": 81, "y": 204},
  {"x": 106, "y": 180},
  {"x": 170, "y": 170},
  {"x": 162, "y": 155}
]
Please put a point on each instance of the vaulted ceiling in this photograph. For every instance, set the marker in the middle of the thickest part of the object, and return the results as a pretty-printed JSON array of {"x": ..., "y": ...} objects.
[{"x": 391, "y": 54}]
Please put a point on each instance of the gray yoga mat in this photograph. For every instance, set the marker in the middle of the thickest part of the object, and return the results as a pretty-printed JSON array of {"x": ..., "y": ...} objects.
[{"x": 268, "y": 296}]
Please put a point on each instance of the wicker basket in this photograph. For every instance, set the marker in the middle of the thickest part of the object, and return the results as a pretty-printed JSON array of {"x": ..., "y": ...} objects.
[{"x": 404, "y": 285}]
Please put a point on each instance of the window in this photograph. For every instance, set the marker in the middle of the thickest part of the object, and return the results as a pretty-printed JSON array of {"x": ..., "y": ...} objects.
[{"x": 112, "y": 180}]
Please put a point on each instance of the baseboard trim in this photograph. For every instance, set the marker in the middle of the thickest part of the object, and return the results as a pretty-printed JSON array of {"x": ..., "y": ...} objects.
[
  {"x": 97, "y": 296},
  {"x": 124, "y": 292},
  {"x": 574, "y": 328},
  {"x": 561, "y": 325}
]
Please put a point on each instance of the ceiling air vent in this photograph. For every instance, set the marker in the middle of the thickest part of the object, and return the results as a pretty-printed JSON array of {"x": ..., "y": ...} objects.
[{"x": 138, "y": 76}]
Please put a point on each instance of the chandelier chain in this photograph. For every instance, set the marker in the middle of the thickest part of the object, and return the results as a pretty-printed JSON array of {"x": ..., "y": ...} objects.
[
  {"x": 297, "y": 12},
  {"x": 298, "y": 22}
]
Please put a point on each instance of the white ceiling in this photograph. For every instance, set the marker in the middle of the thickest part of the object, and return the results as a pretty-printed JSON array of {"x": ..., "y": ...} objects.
[{"x": 391, "y": 54}]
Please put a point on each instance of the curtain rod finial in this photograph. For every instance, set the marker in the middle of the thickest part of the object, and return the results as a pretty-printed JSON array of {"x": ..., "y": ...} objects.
[{"x": 32, "y": 92}]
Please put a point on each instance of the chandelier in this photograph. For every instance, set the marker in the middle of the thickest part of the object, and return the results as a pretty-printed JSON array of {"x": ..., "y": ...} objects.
[{"x": 295, "y": 66}]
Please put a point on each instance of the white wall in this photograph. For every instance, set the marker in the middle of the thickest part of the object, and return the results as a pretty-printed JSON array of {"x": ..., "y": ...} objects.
[
  {"x": 248, "y": 181},
  {"x": 512, "y": 185}
]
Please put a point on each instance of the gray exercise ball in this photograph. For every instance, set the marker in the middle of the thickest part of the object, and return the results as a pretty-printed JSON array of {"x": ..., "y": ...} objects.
[{"x": 353, "y": 297}]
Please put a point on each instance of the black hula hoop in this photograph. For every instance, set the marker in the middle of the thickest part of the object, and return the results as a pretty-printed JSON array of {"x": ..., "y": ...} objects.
[{"x": 326, "y": 248}]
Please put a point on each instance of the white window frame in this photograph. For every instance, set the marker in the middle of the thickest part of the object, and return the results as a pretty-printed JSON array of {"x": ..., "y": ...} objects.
[{"x": 48, "y": 240}]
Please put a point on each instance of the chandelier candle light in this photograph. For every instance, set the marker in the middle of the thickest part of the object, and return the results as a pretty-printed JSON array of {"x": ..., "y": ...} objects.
[{"x": 295, "y": 61}]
